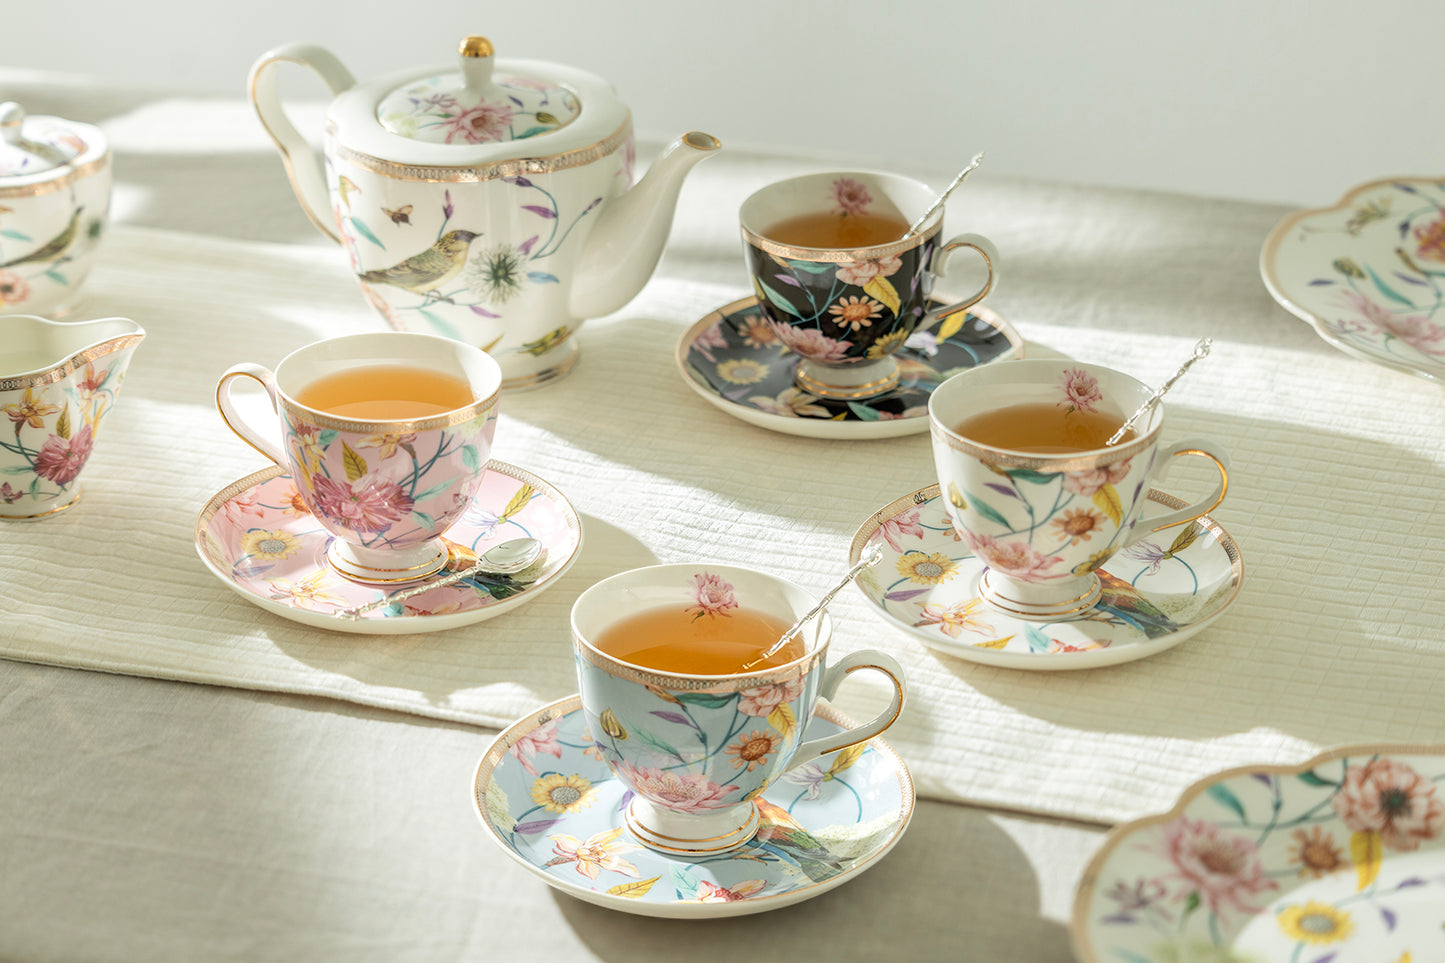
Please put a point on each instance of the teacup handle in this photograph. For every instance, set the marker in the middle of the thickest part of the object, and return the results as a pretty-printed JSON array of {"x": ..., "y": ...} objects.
[
  {"x": 235, "y": 420},
  {"x": 1207, "y": 504},
  {"x": 832, "y": 678},
  {"x": 938, "y": 267}
]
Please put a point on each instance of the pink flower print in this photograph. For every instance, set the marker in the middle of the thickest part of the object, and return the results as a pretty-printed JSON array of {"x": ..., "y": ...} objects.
[
  {"x": 904, "y": 523},
  {"x": 13, "y": 288},
  {"x": 850, "y": 196},
  {"x": 861, "y": 272},
  {"x": 371, "y": 504},
  {"x": 539, "y": 740},
  {"x": 811, "y": 343},
  {"x": 712, "y": 893},
  {"x": 790, "y": 403},
  {"x": 481, "y": 124},
  {"x": 61, "y": 459},
  {"x": 1224, "y": 870},
  {"x": 709, "y": 339},
  {"x": 235, "y": 509},
  {"x": 685, "y": 792},
  {"x": 599, "y": 852},
  {"x": 1431, "y": 240},
  {"x": 1090, "y": 480},
  {"x": 762, "y": 700},
  {"x": 1015, "y": 559},
  {"x": 953, "y": 620},
  {"x": 1416, "y": 330},
  {"x": 713, "y": 595},
  {"x": 1081, "y": 390},
  {"x": 10, "y": 495},
  {"x": 91, "y": 383},
  {"x": 1390, "y": 798}
]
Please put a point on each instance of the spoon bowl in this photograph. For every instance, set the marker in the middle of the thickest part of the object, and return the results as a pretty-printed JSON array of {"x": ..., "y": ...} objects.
[{"x": 504, "y": 558}]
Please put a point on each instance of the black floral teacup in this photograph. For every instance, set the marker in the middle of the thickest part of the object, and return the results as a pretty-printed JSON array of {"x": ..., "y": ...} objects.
[{"x": 840, "y": 279}]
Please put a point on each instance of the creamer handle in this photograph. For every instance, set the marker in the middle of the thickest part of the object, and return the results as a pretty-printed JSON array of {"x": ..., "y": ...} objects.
[{"x": 303, "y": 167}]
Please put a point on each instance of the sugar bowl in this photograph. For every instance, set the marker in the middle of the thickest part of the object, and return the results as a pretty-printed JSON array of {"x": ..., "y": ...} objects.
[{"x": 55, "y": 179}]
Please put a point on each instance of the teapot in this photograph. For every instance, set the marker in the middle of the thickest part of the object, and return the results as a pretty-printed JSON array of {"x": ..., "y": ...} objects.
[{"x": 491, "y": 204}]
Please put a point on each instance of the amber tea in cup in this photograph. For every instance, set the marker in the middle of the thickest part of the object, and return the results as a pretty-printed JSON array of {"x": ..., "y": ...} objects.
[
  {"x": 1043, "y": 429},
  {"x": 386, "y": 392},
  {"x": 672, "y": 640},
  {"x": 838, "y": 229}
]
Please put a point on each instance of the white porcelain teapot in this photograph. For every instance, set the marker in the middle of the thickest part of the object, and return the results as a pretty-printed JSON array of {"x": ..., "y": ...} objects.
[{"x": 490, "y": 204}]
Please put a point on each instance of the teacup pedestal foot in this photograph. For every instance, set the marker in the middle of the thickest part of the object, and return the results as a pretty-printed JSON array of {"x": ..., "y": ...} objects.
[
  {"x": 847, "y": 382},
  {"x": 1040, "y": 601},
  {"x": 386, "y": 566},
  {"x": 524, "y": 369},
  {"x": 691, "y": 834}
]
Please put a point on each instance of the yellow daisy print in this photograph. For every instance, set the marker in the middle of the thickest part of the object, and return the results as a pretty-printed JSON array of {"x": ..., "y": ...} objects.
[
  {"x": 742, "y": 371},
  {"x": 887, "y": 344},
  {"x": 1316, "y": 923},
  {"x": 269, "y": 546},
  {"x": 557, "y": 793},
  {"x": 926, "y": 569}
]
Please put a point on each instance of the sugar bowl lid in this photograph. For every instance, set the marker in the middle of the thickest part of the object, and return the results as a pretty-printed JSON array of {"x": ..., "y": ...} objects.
[
  {"x": 33, "y": 148},
  {"x": 477, "y": 105}
]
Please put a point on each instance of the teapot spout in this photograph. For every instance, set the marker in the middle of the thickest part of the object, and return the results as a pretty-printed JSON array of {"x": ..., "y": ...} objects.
[{"x": 627, "y": 241}]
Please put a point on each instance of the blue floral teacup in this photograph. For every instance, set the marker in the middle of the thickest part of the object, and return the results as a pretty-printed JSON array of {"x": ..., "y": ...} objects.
[
  {"x": 843, "y": 283},
  {"x": 696, "y": 750},
  {"x": 1044, "y": 523}
]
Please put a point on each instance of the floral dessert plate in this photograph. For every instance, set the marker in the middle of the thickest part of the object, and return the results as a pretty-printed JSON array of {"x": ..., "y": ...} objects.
[
  {"x": 545, "y": 796},
  {"x": 259, "y": 538},
  {"x": 734, "y": 360},
  {"x": 1369, "y": 272},
  {"x": 1339, "y": 859},
  {"x": 1156, "y": 593}
]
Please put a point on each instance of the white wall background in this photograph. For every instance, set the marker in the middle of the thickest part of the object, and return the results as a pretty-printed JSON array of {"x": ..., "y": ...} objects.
[{"x": 1276, "y": 100}]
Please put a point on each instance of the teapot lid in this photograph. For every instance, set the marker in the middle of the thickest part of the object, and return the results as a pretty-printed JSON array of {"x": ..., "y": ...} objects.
[
  {"x": 34, "y": 147},
  {"x": 475, "y": 107}
]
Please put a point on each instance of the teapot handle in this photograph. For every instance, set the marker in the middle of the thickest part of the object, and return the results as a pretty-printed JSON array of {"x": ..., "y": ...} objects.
[{"x": 302, "y": 165}]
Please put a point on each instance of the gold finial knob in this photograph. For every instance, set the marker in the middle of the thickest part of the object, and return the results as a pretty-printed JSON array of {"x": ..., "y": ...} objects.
[{"x": 476, "y": 47}]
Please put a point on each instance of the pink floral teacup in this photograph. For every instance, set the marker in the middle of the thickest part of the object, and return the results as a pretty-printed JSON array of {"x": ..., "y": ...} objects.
[
  {"x": 386, "y": 490},
  {"x": 1044, "y": 524},
  {"x": 57, "y": 382},
  {"x": 841, "y": 282},
  {"x": 696, "y": 750}
]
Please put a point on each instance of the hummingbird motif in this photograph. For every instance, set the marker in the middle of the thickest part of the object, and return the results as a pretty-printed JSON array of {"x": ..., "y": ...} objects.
[
  {"x": 783, "y": 836},
  {"x": 52, "y": 249},
  {"x": 424, "y": 273},
  {"x": 1124, "y": 602}
]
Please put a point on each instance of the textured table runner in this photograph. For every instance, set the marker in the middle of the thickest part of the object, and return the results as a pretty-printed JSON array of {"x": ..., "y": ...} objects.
[{"x": 1335, "y": 500}]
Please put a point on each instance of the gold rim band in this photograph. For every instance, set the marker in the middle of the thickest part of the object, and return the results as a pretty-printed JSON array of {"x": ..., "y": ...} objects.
[{"x": 72, "y": 364}]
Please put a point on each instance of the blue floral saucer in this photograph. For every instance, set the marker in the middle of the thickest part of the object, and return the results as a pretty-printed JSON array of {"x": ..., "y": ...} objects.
[
  {"x": 1156, "y": 593},
  {"x": 732, "y": 359},
  {"x": 546, "y": 798}
]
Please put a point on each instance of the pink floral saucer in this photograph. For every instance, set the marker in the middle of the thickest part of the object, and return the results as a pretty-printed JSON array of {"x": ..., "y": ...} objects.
[
  {"x": 1368, "y": 273},
  {"x": 259, "y": 539},
  {"x": 1156, "y": 593},
  {"x": 544, "y": 795},
  {"x": 1338, "y": 859}
]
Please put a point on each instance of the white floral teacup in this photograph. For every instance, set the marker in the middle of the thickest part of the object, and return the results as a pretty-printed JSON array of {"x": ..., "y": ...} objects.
[
  {"x": 845, "y": 310},
  {"x": 385, "y": 490},
  {"x": 1044, "y": 524},
  {"x": 58, "y": 380},
  {"x": 696, "y": 750}
]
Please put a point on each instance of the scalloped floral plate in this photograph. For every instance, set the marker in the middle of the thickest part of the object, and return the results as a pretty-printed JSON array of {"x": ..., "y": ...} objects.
[
  {"x": 543, "y": 794},
  {"x": 1157, "y": 593},
  {"x": 1340, "y": 859},
  {"x": 1369, "y": 272},
  {"x": 723, "y": 360},
  {"x": 258, "y": 538}
]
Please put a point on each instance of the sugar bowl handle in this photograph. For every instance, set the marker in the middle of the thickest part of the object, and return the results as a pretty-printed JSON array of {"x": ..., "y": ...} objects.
[
  {"x": 303, "y": 168},
  {"x": 836, "y": 673}
]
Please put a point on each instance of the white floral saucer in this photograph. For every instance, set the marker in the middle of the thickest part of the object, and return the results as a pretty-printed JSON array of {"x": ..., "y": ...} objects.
[
  {"x": 1368, "y": 273},
  {"x": 544, "y": 795},
  {"x": 259, "y": 539},
  {"x": 1338, "y": 859},
  {"x": 1157, "y": 593},
  {"x": 732, "y": 359}
]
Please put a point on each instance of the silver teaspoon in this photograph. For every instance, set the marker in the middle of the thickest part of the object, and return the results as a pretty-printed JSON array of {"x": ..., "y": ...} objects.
[
  {"x": 871, "y": 558},
  {"x": 505, "y": 558},
  {"x": 1201, "y": 349}
]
